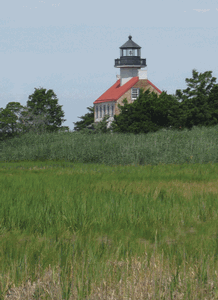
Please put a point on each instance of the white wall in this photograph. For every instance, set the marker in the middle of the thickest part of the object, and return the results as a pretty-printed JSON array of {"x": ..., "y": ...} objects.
[
  {"x": 142, "y": 74},
  {"x": 127, "y": 73}
]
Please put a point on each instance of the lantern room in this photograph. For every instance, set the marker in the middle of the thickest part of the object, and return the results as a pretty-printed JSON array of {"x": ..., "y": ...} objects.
[{"x": 130, "y": 56}]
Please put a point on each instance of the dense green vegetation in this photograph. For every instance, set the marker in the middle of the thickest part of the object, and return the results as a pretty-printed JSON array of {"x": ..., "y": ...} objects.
[
  {"x": 41, "y": 114},
  {"x": 88, "y": 216},
  {"x": 75, "y": 229},
  {"x": 198, "y": 145},
  {"x": 197, "y": 105}
]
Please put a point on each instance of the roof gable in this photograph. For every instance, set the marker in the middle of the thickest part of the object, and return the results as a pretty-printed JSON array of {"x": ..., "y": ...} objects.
[{"x": 116, "y": 91}]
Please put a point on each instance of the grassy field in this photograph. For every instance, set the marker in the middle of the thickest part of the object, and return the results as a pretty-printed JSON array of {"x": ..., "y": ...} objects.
[{"x": 140, "y": 224}]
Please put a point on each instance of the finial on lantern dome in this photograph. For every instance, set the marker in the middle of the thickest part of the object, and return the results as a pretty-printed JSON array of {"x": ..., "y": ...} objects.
[{"x": 130, "y": 37}]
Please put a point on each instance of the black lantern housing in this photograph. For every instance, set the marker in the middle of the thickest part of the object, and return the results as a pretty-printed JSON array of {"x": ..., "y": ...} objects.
[{"x": 130, "y": 56}]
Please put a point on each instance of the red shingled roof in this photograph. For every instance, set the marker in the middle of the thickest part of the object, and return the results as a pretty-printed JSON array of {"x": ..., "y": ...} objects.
[{"x": 116, "y": 91}]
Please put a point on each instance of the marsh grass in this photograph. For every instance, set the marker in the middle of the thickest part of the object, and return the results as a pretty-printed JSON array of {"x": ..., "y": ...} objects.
[
  {"x": 198, "y": 145},
  {"x": 92, "y": 231}
]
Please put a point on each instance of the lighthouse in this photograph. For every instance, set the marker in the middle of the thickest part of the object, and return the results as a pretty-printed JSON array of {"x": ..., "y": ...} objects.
[{"x": 128, "y": 83}]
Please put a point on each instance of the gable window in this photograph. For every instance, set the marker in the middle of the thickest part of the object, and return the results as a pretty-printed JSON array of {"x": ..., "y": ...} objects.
[
  {"x": 135, "y": 93},
  {"x": 96, "y": 112}
]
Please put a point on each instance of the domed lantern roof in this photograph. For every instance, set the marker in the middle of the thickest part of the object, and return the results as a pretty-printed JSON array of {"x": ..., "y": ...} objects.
[{"x": 130, "y": 44}]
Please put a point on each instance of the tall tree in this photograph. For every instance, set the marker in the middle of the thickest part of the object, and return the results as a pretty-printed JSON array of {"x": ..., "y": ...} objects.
[
  {"x": 45, "y": 103},
  {"x": 194, "y": 106},
  {"x": 86, "y": 120}
]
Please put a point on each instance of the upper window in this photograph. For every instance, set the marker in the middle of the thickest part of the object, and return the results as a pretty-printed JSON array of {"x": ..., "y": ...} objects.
[
  {"x": 135, "y": 93},
  {"x": 96, "y": 111}
]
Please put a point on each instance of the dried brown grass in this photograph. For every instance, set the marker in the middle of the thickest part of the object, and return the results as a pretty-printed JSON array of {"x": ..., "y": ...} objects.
[{"x": 139, "y": 280}]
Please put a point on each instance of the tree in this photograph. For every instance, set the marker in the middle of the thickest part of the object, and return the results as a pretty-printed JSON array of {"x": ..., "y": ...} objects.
[
  {"x": 194, "y": 107},
  {"x": 148, "y": 113},
  {"x": 33, "y": 123},
  {"x": 10, "y": 117},
  {"x": 45, "y": 104},
  {"x": 87, "y": 119}
]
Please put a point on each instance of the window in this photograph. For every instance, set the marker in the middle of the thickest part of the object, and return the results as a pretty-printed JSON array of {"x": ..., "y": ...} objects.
[
  {"x": 108, "y": 110},
  {"x": 104, "y": 110},
  {"x": 100, "y": 111},
  {"x": 135, "y": 93},
  {"x": 112, "y": 110},
  {"x": 96, "y": 112}
]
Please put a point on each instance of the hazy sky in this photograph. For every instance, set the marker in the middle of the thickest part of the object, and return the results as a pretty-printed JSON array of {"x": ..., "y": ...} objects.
[{"x": 70, "y": 46}]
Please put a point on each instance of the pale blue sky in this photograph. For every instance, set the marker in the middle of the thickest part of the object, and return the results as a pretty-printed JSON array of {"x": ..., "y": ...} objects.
[{"x": 70, "y": 46}]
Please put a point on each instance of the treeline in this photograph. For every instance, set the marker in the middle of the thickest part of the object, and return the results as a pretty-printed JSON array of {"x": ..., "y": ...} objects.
[
  {"x": 197, "y": 105},
  {"x": 41, "y": 114}
]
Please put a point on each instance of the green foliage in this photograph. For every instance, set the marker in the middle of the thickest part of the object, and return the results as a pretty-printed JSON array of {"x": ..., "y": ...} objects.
[
  {"x": 148, "y": 113},
  {"x": 10, "y": 120},
  {"x": 195, "y": 108},
  {"x": 41, "y": 114},
  {"x": 102, "y": 126},
  {"x": 87, "y": 125},
  {"x": 45, "y": 103},
  {"x": 197, "y": 105},
  {"x": 199, "y": 84},
  {"x": 86, "y": 120}
]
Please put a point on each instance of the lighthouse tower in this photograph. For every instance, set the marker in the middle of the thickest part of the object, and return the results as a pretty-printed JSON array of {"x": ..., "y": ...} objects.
[{"x": 130, "y": 62}]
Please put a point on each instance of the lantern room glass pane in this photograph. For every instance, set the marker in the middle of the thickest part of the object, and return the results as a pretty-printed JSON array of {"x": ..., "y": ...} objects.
[
  {"x": 131, "y": 52},
  {"x": 124, "y": 52}
]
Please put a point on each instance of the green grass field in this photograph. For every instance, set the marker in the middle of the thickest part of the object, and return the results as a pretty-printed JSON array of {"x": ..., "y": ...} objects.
[{"x": 81, "y": 221}]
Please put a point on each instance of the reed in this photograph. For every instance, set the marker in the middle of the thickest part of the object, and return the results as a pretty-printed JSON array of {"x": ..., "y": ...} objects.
[
  {"x": 198, "y": 145},
  {"x": 96, "y": 231}
]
